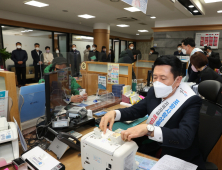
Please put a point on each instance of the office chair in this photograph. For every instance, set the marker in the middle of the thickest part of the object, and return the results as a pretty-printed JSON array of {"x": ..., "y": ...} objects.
[{"x": 210, "y": 128}]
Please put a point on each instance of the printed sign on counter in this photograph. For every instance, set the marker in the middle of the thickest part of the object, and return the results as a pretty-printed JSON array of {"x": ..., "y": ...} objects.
[
  {"x": 113, "y": 73},
  {"x": 102, "y": 82}
]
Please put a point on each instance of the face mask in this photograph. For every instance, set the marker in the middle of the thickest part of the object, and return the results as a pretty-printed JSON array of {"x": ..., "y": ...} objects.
[
  {"x": 57, "y": 51},
  {"x": 93, "y": 48},
  {"x": 131, "y": 48},
  {"x": 47, "y": 51},
  {"x": 161, "y": 90},
  {"x": 109, "y": 51},
  {"x": 179, "y": 49},
  {"x": 19, "y": 46},
  {"x": 184, "y": 51},
  {"x": 194, "y": 69},
  {"x": 209, "y": 53},
  {"x": 104, "y": 50},
  {"x": 151, "y": 52},
  {"x": 37, "y": 48},
  {"x": 74, "y": 48}
]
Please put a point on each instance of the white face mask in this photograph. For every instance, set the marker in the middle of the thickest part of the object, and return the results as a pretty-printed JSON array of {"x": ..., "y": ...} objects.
[
  {"x": 161, "y": 90},
  {"x": 151, "y": 52},
  {"x": 19, "y": 46},
  {"x": 179, "y": 49},
  {"x": 209, "y": 53},
  {"x": 74, "y": 48},
  {"x": 131, "y": 48},
  {"x": 57, "y": 51},
  {"x": 184, "y": 51},
  {"x": 93, "y": 48},
  {"x": 104, "y": 50},
  {"x": 37, "y": 48}
]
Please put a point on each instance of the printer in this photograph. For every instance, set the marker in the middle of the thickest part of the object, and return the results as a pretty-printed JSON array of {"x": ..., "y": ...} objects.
[
  {"x": 107, "y": 151},
  {"x": 9, "y": 147}
]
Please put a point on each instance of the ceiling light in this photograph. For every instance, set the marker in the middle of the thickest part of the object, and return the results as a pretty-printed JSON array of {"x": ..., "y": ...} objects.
[
  {"x": 143, "y": 30},
  {"x": 30, "y": 30},
  {"x": 195, "y": 11},
  {"x": 86, "y": 16},
  {"x": 36, "y": 3},
  {"x": 212, "y": 1},
  {"x": 132, "y": 9},
  {"x": 3, "y": 26},
  {"x": 191, "y": 6},
  {"x": 153, "y": 17},
  {"x": 220, "y": 11},
  {"x": 122, "y": 25},
  {"x": 137, "y": 34}
]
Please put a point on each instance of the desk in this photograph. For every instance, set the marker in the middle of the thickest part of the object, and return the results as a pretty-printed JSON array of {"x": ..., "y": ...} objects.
[{"x": 70, "y": 159}]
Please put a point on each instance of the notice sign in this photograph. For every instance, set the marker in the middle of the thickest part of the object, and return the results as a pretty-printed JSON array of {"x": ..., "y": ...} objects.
[
  {"x": 207, "y": 39},
  {"x": 140, "y": 4},
  {"x": 102, "y": 82},
  {"x": 113, "y": 73}
]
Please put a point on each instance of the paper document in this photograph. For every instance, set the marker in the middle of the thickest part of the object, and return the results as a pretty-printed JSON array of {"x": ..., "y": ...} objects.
[
  {"x": 4, "y": 104},
  {"x": 168, "y": 162},
  {"x": 93, "y": 57}
]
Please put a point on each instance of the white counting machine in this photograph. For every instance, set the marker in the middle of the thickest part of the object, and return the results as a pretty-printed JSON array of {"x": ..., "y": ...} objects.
[
  {"x": 107, "y": 151},
  {"x": 9, "y": 148}
]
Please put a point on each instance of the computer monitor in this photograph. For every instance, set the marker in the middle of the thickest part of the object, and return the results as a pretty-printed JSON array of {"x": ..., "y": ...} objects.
[{"x": 57, "y": 89}]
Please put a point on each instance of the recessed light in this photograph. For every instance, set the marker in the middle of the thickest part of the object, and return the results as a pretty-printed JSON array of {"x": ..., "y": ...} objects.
[
  {"x": 153, "y": 17},
  {"x": 143, "y": 30},
  {"x": 3, "y": 26},
  {"x": 137, "y": 34},
  {"x": 86, "y": 16},
  {"x": 122, "y": 25},
  {"x": 220, "y": 11},
  {"x": 212, "y": 1},
  {"x": 30, "y": 30},
  {"x": 191, "y": 6},
  {"x": 132, "y": 9},
  {"x": 195, "y": 11},
  {"x": 36, "y": 3}
]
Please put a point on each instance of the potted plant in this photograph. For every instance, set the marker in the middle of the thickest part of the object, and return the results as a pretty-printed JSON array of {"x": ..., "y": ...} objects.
[{"x": 5, "y": 55}]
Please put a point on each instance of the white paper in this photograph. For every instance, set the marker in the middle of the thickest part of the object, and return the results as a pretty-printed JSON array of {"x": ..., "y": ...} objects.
[
  {"x": 4, "y": 104},
  {"x": 168, "y": 162}
]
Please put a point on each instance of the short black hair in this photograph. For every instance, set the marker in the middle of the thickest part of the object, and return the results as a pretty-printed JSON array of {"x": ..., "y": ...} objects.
[
  {"x": 73, "y": 45},
  {"x": 173, "y": 61},
  {"x": 18, "y": 43},
  {"x": 36, "y": 44},
  {"x": 94, "y": 45},
  {"x": 47, "y": 47},
  {"x": 152, "y": 49},
  {"x": 88, "y": 46},
  {"x": 188, "y": 41},
  {"x": 130, "y": 44},
  {"x": 103, "y": 47},
  {"x": 179, "y": 45},
  {"x": 208, "y": 48}
]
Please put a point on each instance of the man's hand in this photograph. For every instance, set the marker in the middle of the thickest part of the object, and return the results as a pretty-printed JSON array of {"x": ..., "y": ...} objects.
[
  {"x": 134, "y": 132},
  {"x": 49, "y": 63},
  {"x": 40, "y": 62},
  {"x": 92, "y": 60},
  {"x": 76, "y": 99},
  {"x": 85, "y": 96},
  {"x": 20, "y": 62},
  {"x": 108, "y": 118},
  {"x": 207, "y": 55}
]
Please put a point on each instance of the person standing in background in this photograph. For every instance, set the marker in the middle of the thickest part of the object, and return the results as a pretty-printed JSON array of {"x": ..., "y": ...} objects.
[
  {"x": 93, "y": 53},
  {"x": 105, "y": 58},
  {"x": 153, "y": 51},
  {"x": 111, "y": 55},
  {"x": 213, "y": 59},
  {"x": 57, "y": 53},
  {"x": 37, "y": 63},
  {"x": 48, "y": 57},
  {"x": 20, "y": 57},
  {"x": 86, "y": 53},
  {"x": 74, "y": 61},
  {"x": 179, "y": 51}
]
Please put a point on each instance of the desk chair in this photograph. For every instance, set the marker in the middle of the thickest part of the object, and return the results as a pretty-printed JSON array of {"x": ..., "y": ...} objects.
[{"x": 210, "y": 128}]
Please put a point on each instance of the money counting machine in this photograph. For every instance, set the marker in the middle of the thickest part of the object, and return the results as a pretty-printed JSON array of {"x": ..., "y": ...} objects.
[{"x": 107, "y": 151}]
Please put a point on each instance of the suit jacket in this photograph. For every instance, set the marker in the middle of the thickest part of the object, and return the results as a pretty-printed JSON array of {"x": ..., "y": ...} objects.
[
  {"x": 180, "y": 137},
  {"x": 19, "y": 55},
  {"x": 74, "y": 58},
  {"x": 208, "y": 74},
  {"x": 36, "y": 57},
  {"x": 176, "y": 53},
  {"x": 214, "y": 60}
]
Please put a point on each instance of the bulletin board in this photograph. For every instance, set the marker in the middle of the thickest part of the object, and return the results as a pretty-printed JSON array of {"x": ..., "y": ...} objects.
[{"x": 207, "y": 39}]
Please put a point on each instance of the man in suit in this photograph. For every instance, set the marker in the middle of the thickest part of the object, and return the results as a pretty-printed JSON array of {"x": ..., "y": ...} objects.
[
  {"x": 178, "y": 136},
  {"x": 179, "y": 51},
  {"x": 20, "y": 56},
  {"x": 213, "y": 59},
  {"x": 74, "y": 61},
  {"x": 37, "y": 63},
  {"x": 94, "y": 54},
  {"x": 153, "y": 51}
]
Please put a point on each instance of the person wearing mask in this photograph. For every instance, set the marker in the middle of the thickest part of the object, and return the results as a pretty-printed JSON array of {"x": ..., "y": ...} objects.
[
  {"x": 153, "y": 51},
  {"x": 205, "y": 50},
  {"x": 47, "y": 56},
  {"x": 105, "y": 58},
  {"x": 213, "y": 59},
  {"x": 94, "y": 54},
  {"x": 57, "y": 53},
  {"x": 200, "y": 61},
  {"x": 173, "y": 130},
  {"x": 37, "y": 63},
  {"x": 111, "y": 55},
  {"x": 74, "y": 60},
  {"x": 60, "y": 63},
  {"x": 20, "y": 56},
  {"x": 179, "y": 51},
  {"x": 131, "y": 47},
  {"x": 86, "y": 53},
  {"x": 188, "y": 48}
]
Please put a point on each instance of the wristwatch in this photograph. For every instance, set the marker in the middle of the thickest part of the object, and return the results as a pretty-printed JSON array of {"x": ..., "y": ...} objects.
[{"x": 150, "y": 129}]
